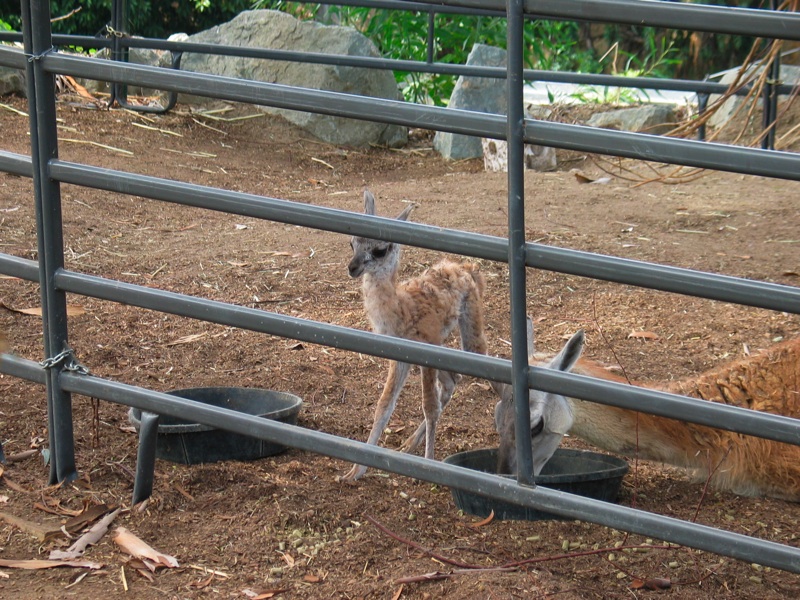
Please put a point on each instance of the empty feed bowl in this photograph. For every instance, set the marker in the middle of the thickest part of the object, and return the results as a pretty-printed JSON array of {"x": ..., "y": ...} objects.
[
  {"x": 190, "y": 443},
  {"x": 581, "y": 472}
]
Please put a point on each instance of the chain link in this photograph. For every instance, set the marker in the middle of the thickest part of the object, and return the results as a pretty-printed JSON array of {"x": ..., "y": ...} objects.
[
  {"x": 111, "y": 32},
  {"x": 67, "y": 357}
]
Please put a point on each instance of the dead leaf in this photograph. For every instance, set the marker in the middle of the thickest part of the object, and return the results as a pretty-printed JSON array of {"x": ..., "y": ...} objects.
[
  {"x": 643, "y": 335},
  {"x": 327, "y": 369},
  {"x": 398, "y": 593},
  {"x": 791, "y": 274},
  {"x": 73, "y": 310},
  {"x": 82, "y": 91},
  {"x": 14, "y": 485},
  {"x": 42, "y": 533},
  {"x": 146, "y": 573},
  {"x": 203, "y": 583},
  {"x": 90, "y": 538},
  {"x": 33, "y": 565},
  {"x": 486, "y": 521},
  {"x": 657, "y": 583},
  {"x": 183, "y": 492},
  {"x": 20, "y": 456},
  {"x": 586, "y": 179},
  {"x": 288, "y": 558},
  {"x": 77, "y": 580},
  {"x": 265, "y": 595},
  {"x": 309, "y": 578},
  {"x": 134, "y": 546}
]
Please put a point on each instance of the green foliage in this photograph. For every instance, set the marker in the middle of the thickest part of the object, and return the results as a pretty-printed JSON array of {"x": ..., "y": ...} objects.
[
  {"x": 148, "y": 18},
  {"x": 657, "y": 59},
  {"x": 550, "y": 45},
  {"x": 403, "y": 35}
]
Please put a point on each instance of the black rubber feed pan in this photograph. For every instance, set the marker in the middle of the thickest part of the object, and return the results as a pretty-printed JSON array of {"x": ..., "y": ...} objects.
[
  {"x": 191, "y": 443},
  {"x": 581, "y": 472}
]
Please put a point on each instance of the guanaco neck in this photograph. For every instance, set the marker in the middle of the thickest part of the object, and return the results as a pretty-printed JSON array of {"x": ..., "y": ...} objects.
[{"x": 381, "y": 301}]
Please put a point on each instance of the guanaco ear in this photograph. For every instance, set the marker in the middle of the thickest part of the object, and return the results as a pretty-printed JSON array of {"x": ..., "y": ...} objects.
[
  {"x": 403, "y": 216},
  {"x": 503, "y": 390},
  {"x": 369, "y": 203},
  {"x": 570, "y": 353}
]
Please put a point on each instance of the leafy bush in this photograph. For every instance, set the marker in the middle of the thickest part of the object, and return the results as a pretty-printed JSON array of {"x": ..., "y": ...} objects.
[
  {"x": 148, "y": 18},
  {"x": 403, "y": 35}
]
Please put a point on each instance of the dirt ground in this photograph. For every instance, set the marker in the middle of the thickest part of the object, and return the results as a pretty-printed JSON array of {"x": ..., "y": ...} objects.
[{"x": 283, "y": 527}]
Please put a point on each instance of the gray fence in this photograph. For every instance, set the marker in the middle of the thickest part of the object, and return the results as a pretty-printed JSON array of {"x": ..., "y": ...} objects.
[{"x": 63, "y": 376}]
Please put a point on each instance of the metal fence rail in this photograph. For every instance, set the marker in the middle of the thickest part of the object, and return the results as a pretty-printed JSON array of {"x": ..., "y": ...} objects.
[{"x": 48, "y": 173}]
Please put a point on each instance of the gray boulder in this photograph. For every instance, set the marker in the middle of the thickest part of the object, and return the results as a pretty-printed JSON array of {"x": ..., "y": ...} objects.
[
  {"x": 277, "y": 30},
  {"x": 650, "y": 118},
  {"x": 11, "y": 81},
  {"x": 136, "y": 56},
  {"x": 482, "y": 94}
]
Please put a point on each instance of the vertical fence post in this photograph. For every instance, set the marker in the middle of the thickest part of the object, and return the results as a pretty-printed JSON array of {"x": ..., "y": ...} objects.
[
  {"x": 702, "y": 105},
  {"x": 770, "y": 98},
  {"x": 515, "y": 125},
  {"x": 431, "y": 41},
  {"x": 119, "y": 27},
  {"x": 44, "y": 147}
]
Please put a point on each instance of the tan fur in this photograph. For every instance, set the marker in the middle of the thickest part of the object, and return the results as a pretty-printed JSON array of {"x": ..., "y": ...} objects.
[
  {"x": 426, "y": 308},
  {"x": 745, "y": 465}
]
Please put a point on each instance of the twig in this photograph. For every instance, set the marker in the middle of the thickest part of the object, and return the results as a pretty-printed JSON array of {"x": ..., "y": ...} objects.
[
  {"x": 69, "y": 15},
  {"x": 14, "y": 110},
  {"x": 413, "y": 544},
  {"x": 158, "y": 129},
  {"x": 322, "y": 162},
  {"x": 708, "y": 481},
  {"x": 209, "y": 127},
  {"x": 98, "y": 144}
]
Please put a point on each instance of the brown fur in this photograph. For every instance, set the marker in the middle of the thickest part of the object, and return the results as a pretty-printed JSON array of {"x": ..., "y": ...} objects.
[
  {"x": 426, "y": 308},
  {"x": 745, "y": 465}
]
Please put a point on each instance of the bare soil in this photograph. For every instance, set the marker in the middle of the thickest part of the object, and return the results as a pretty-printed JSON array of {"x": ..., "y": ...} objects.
[{"x": 282, "y": 526}]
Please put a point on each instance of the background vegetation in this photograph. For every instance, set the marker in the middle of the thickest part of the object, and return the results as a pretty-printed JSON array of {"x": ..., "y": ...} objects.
[{"x": 552, "y": 45}]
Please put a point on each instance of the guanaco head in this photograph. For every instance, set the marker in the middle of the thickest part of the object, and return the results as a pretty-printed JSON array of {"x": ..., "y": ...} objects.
[
  {"x": 551, "y": 414},
  {"x": 375, "y": 256}
]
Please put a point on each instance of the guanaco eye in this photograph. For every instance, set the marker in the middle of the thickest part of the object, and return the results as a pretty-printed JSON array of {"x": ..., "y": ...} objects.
[
  {"x": 380, "y": 252},
  {"x": 537, "y": 428}
]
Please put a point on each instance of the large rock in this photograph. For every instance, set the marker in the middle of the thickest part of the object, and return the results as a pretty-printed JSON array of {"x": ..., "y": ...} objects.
[
  {"x": 136, "y": 56},
  {"x": 11, "y": 81},
  {"x": 790, "y": 75},
  {"x": 277, "y": 30},
  {"x": 483, "y": 94},
  {"x": 650, "y": 118}
]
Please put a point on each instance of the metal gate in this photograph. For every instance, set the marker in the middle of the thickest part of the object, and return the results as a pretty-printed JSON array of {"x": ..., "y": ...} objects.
[{"x": 63, "y": 376}]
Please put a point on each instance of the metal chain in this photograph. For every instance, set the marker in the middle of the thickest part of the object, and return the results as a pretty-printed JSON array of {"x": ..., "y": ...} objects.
[
  {"x": 67, "y": 357},
  {"x": 111, "y": 32}
]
